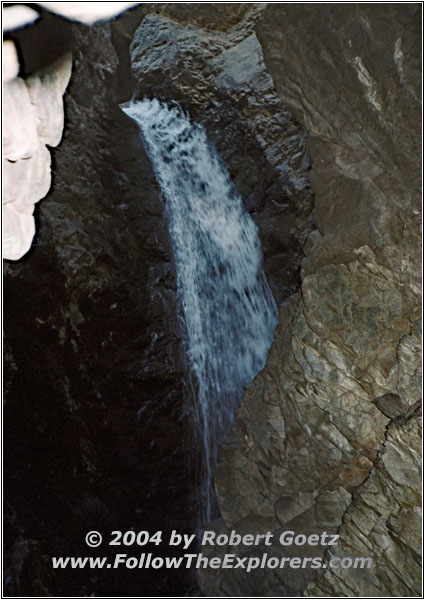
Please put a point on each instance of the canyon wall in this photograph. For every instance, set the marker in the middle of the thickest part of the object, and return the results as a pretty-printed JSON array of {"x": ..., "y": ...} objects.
[
  {"x": 97, "y": 417},
  {"x": 328, "y": 437},
  {"x": 97, "y": 422}
]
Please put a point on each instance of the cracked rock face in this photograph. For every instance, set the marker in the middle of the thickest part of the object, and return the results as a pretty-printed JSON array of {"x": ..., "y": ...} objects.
[
  {"x": 328, "y": 435},
  {"x": 384, "y": 522}
]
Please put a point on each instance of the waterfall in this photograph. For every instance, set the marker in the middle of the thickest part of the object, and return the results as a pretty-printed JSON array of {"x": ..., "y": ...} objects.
[{"x": 228, "y": 308}]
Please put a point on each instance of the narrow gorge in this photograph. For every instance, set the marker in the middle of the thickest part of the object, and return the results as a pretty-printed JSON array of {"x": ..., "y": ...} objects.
[{"x": 217, "y": 325}]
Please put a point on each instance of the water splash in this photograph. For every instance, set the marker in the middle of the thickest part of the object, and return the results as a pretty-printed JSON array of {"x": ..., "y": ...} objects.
[{"x": 229, "y": 311}]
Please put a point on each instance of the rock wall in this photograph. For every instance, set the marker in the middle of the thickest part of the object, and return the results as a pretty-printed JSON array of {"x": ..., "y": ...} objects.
[
  {"x": 97, "y": 422},
  {"x": 328, "y": 436}
]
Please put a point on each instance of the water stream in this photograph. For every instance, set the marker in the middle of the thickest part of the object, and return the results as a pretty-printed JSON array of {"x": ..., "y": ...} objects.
[{"x": 228, "y": 308}]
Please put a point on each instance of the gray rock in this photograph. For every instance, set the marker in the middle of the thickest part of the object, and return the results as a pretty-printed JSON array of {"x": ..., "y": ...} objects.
[
  {"x": 328, "y": 434},
  {"x": 391, "y": 405},
  {"x": 309, "y": 427}
]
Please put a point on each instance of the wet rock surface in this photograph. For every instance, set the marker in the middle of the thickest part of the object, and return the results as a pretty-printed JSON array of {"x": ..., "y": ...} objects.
[{"x": 328, "y": 435}]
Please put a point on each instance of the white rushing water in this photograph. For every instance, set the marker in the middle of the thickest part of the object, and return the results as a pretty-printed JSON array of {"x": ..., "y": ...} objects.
[{"x": 229, "y": 311}]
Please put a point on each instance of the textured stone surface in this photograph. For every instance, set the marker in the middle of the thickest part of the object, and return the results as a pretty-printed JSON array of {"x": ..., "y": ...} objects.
[
  {"x": 384, "y": 521},
  {"x": 328, "y": 433},
  {"x": 98, "y": 428}
]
